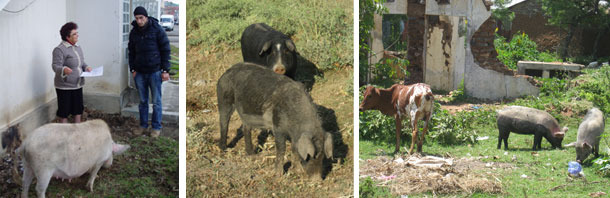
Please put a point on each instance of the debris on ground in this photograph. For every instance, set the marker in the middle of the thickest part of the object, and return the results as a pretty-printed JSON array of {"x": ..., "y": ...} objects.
[{"x": 419, "y": 174}]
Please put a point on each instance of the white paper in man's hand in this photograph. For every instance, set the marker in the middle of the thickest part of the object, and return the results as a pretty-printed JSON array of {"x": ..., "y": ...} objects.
[{"x": 99, "y": 71}]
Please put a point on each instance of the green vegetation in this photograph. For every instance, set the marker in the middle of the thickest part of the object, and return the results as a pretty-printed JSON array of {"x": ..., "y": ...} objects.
[
  {"x": 174, "y": 62},
  {"x": 368, "y": 188},
  {"x": 321, "y": 30},
  {"x": 519, "y": 48}
]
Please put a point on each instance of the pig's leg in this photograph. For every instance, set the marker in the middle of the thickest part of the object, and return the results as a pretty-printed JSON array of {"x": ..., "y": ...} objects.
[
  {"x": 537, "y": 142},
  {"x": 28, "y": 175},
  {"x": 398, "y": 121},
  {"x": 280, "y": 146},
  {"x": 43, "y": 178},
  {"x": 596, "y": 150},
  {"x": 503, "y": 135},
  {"x": 92, "y": 176},
  {"x": 414, "y": 134},
  {"x": 224, "y": 111},
  {"x": 248, "y": 134}
]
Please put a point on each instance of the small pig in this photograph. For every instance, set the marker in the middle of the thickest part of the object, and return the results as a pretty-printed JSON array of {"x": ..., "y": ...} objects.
[
  {"x": 524, "y": 120},
  {"x": 269, "y": 101},
  {"x": 589, "y": 134},
  {"x": 265, "y": 46},
  {"x": 66, "y": 151}
]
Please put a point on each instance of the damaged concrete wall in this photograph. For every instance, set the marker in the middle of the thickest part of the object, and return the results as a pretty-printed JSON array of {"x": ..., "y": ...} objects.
[
  {"x": 444, "y": 51},
  {"x": 480, "y": 82}
]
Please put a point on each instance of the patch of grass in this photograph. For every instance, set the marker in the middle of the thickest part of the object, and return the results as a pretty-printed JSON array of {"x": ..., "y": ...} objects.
[
  {"x": 321, "y": 30},
  {"x": 368, "y": 188}
]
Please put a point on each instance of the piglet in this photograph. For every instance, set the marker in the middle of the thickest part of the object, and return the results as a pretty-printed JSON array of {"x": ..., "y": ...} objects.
[{"x": 66, "y": 151}]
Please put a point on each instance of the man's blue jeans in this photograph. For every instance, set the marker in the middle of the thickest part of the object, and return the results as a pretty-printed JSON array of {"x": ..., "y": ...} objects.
[{"x": 144, "y": 82}]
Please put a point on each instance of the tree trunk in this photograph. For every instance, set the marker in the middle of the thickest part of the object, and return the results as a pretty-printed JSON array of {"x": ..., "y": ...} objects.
[
  {"x": 600, "y": 34},
  {"x": 565, "y": 44}
]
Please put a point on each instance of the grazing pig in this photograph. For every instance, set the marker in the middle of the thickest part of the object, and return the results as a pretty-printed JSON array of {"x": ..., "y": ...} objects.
[
  {"x": 265, "y": 46},
  {"x": 415, "y": 101},
  {"x": 267, "y": 100},
  {"x": 589, "y": 134},
  {"x": 66, "y": 151},
  {"x": 524, "y": 120}
]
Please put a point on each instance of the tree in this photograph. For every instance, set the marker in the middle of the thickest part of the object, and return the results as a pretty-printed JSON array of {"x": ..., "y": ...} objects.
[
  {"x": 503, "y": 14},
  {"x": 368, "y": 9},
  {"x": 570, "y": 15}
]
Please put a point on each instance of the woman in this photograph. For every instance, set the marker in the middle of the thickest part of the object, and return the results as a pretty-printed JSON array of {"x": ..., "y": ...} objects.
[{"x": 68, "y": 65}]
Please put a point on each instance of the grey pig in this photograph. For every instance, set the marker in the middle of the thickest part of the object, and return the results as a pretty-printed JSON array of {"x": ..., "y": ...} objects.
[
  {"x": 589, "y": 134},
  {"x": 525, "y": 120},
  {"x": 266, "y": 100}
]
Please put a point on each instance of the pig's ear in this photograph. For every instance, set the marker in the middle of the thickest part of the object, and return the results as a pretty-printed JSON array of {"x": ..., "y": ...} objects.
[
  {"x": 305, "y": 147},
  {"x": 586, "y": 145},
  {"x": 328, "y": 146},
  {"x": 290, "y": 46},
  {"x": 570, "y": 144},
  {"x": 118, "y": 149},
  {"x": 266, "y": 47}
]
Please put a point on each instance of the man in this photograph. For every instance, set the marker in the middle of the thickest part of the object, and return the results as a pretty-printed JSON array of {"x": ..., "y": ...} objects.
[{"x": 149, "y": 65}]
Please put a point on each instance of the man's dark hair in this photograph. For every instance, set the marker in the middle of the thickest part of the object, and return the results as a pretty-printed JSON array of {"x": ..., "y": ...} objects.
[{"x": 66, "y": 29}]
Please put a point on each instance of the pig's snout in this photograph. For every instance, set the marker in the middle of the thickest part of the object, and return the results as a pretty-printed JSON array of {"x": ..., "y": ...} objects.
[{"x": 279, "y": 69}]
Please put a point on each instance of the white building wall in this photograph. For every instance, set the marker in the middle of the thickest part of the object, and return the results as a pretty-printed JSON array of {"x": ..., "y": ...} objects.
[
  {"x": 101, "y": 39},
  {"x": 27, "y": 39},
  {"x": 100, "y": 28}
]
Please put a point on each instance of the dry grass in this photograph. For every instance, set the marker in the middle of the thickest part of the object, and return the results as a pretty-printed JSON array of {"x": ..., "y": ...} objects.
[
  {"x": 214, "y": 173},
  {"x": 408, "y": 179}
]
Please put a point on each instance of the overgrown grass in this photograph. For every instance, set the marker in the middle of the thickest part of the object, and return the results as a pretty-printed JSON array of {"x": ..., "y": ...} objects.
[{"x": 321, "y": 30}]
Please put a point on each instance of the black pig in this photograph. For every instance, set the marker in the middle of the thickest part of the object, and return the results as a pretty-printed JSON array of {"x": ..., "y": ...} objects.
[
  {"x": 265, "y": 46},
  {"x": 266, "y": 100},
  {"x": 525, "y": 120}
]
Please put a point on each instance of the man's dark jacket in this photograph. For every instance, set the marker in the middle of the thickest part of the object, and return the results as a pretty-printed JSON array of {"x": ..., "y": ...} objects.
[{"x": 148, "y": 48}]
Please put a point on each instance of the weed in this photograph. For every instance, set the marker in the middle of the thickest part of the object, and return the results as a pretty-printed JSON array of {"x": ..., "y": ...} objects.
[{"x": 368, "y": 188}]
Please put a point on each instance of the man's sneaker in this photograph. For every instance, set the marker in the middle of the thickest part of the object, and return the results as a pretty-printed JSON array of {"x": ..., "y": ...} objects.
[
  {"x": 139, "y": 131},
  {"x": 155, "y": 133}
]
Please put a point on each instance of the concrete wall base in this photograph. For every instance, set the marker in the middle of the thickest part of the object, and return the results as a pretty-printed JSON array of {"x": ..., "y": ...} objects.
[{"x": 37, "y": 117}]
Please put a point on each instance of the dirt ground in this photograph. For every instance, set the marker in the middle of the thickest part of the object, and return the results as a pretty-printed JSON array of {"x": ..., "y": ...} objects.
[
  {"x": 214, "y": 173},
  {"x": 121, "y": 130}
]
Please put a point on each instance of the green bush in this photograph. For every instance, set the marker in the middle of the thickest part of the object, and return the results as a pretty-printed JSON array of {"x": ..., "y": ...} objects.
[
  {"x": 520, "y": 48},
  {"x": 321, "y": 30},
  {"x": 369, "y": 189},
  {"x": 595, "y": 88}
]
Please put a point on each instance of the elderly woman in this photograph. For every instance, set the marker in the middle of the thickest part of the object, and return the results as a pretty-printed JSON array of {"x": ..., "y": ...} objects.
[{"x": 68, "y": 65}]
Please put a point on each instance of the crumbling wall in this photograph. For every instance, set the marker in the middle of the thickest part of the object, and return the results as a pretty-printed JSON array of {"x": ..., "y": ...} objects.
[
  {"x": 483, "y": 49},
  {"x": 415, "y": 29}
]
